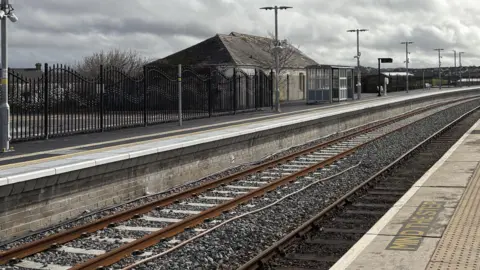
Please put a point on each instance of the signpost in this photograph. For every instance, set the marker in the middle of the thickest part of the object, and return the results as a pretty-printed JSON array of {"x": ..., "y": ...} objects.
[{"x": 382, "y": 60}]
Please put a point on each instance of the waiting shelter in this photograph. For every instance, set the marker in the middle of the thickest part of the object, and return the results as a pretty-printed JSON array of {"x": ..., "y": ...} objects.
[{"x": 328, "y": 83}]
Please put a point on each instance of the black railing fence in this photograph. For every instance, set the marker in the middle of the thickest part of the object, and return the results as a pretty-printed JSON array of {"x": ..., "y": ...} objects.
[
  {"x": 398, "y": 83},
  {"x": 63, "y": 102}
]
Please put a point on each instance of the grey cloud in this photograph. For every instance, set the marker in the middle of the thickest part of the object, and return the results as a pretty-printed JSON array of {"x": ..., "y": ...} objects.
[{"x": 64, "y": 31}]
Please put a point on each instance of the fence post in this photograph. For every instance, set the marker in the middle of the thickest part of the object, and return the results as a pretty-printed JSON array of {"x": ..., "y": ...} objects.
[
  {"x": 234, "y": 90},
  {"x": 397, "y": 83},
  {"x": 210, "y": 97},
  {"x": 271, "y": 88},
  {"x": 288, "y": 87},
  {"x": 45, "y": 111},
  {"x": 255, "y": 89},
  {"x": 102, "y": 102},
  {"x": 180, "y": 94},
  {"x": 145, "y": 123}
]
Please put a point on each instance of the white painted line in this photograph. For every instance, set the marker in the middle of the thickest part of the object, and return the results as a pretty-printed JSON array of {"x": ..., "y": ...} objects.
[
  {"x": 181, "y": 211},
  {"x": 229, "y": 192},
  {"x": 200, "y": 204},
  {"x": 41, "y": 266},
  {"x": 140, "y": 229},
  {"x": 217, "y": 198},
  {"x": 241, "y": 187},
  {"x": 161, "y": 219},
  {"x": 351, "y": 255},
  {"x": 81, "y": 250},
  {"x": 111, "y": 240}
]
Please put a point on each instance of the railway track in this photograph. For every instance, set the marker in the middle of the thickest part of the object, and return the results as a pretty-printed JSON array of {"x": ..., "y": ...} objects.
[
  {"x": 108, "y": 240},
  {"x": 322, "y": 240}
]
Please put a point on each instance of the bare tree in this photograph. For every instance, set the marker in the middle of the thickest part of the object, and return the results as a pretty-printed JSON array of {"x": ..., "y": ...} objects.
[
  {"x": 285, "y": 56},
  {"x": 130, "y": 62}
]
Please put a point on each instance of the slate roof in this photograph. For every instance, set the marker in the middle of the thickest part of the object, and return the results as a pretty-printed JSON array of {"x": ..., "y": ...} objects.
[{"x": 235, "y": 49}]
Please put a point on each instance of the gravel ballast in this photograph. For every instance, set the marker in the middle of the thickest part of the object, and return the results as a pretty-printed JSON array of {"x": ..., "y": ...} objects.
[{"x": 235, "y": 243}]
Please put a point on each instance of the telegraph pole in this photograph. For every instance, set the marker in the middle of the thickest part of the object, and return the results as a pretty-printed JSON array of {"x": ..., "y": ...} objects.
[
  {"x": 460, "y": 65},
  {"x": 406, "y": 60},
  {"x": 439, "y": 66},
  {"x": 455, "y": 65},
  {"x": 359, "y": 77},
  {"x": 276, "y": 52}
]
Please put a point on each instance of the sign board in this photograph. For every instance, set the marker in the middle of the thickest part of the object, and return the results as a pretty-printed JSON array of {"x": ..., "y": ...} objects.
[{"x": 386, "y": 60}]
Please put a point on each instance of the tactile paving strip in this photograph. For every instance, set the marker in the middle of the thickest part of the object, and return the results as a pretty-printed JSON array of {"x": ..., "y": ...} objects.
[{"x": 459, "y": 247}]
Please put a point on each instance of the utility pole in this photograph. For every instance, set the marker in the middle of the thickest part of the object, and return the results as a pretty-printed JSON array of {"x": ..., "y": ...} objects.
[
  {"x": 460, "y": 66},
  {"x": 359, "y": 77},
  {"x": 439, "y": 67},
  {"x": 6, "y": 11},
  {"x": 455, "y": 65},
  {"x": 406, "y": 60},
  {"x": 276, "y": 52}
]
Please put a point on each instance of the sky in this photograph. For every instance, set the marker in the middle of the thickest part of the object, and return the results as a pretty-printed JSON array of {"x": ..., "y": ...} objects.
[{"x": 64, "y": 31}]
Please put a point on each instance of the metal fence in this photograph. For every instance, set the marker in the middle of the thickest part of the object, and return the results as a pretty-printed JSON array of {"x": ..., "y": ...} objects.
[
  {"x": 62, "y": 102},
  {"x": 398, "y": 83}
]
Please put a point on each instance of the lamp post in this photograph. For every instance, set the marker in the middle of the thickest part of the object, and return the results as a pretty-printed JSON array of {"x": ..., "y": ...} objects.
[
  {"x": 6, "y": 11},
  {"x": 359, "y": 81},
  {"x": 439, "y": 67},
  {"x": 276, "y": 52},
  {"x": 460, "y": 65},
  {"x": 455, "y": 65},
  {"x": 406, "y": 60}
]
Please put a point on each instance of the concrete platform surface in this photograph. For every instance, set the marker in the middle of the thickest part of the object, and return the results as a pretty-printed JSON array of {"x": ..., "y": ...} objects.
[
  {"x": 32, "y": 160},
  {"x": 435, "y": 225}
]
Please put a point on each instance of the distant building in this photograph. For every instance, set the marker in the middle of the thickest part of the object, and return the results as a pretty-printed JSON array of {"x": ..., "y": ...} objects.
[
  {"x": 246, "y": 52},
  {"x": 28, "y": 73}
]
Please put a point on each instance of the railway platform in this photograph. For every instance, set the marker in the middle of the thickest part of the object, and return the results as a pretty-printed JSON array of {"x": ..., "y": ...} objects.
[
  {"x": 32, "y": 152},
  {"x": 435, "y": 225}
]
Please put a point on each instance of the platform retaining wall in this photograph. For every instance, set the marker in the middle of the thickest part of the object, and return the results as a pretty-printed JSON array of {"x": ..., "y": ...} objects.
[{"x": 42, "y": 202}]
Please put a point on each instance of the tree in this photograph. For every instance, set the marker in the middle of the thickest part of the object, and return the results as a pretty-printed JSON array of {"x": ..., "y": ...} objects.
[
  {"x": 285, "y": 56},
  {"x": 130, "y": 62}
]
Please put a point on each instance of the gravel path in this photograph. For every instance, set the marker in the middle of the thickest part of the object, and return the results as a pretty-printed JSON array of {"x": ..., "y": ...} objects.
[{"x": 238, "y": 241}]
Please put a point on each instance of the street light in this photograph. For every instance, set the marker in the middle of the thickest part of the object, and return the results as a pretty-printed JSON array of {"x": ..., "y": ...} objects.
[
  {"x": 276, "y": 52},
  {"x": 6, "y": 11},
  {"x": 359, "y": 82},
  {"x": 406, "y": 60},
  {"x": 455, "y": 65},
  {"x": 460, "y": 65},
  {"x": 439, "y": 67}
]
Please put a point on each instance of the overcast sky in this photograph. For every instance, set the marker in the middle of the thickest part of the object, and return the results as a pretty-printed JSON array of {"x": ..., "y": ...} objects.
[{"x": 62, "y": 31}]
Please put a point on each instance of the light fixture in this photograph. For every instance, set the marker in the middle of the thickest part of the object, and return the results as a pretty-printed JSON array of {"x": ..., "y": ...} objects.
[{"x": 7, "y": 11}]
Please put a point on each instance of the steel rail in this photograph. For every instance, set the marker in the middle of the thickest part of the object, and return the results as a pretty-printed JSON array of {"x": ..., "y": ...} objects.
[
  {"x": 121, "y": 252},
  {"x": 277, "y": 248},
  {"x": 77, "y": 232}
]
